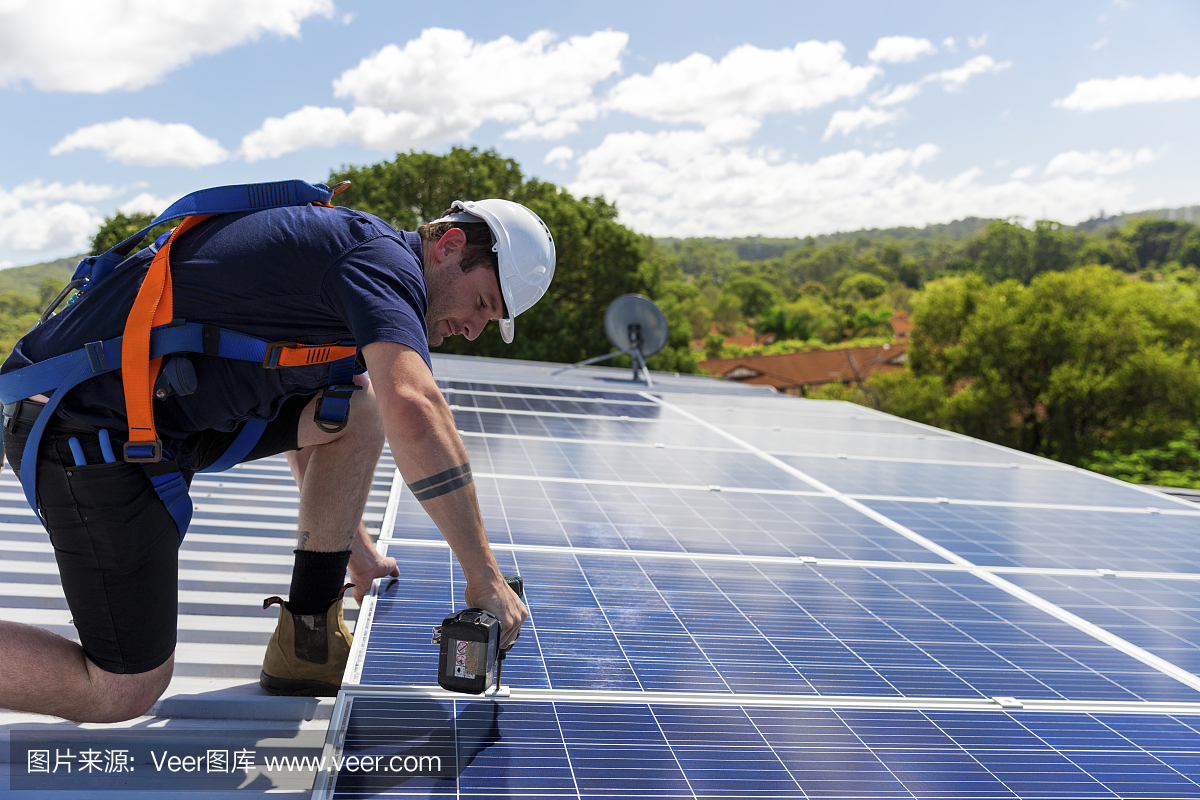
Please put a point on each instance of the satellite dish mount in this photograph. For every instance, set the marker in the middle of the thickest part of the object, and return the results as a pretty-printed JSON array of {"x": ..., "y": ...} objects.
[{"x": 638, "y": 327}]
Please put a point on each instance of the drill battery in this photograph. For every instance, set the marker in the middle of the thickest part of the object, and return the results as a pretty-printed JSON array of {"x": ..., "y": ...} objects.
[
  {"x": 470, "y": 643},
  {"x": 470, "y": 656}
]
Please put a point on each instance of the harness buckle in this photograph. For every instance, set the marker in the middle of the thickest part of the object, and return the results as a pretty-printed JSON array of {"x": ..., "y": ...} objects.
[
  {"x": 333, "y": 409},
  {"x": 135, "y": 452},
  {"x": 97, "y": 358},
  {"x": 274, "y": 350}
]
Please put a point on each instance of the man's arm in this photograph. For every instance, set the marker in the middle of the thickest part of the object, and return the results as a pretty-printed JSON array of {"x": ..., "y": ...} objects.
[{"x": 433, "y": 460}]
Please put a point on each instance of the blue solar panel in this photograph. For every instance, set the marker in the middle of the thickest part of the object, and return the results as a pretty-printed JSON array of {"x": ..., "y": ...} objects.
[
  {"x": 801, "y": 418},
  {"x": 566, "y": 749},
  {"x": 653, "y": 624},
  {"x": 915, "y": 446},
  {"x": 553, "y": 405},
  {"x": 1023, "y": 537},
  {"x": 604, "y": 462},
  {"x": 639, "y": 430},
  {"x": 526, "y": 512},
  {"x": 1020, "y": 485},
  {"x": 1162, "y": 616},
  {"x": 546, "y": 391},
  {"x": 687, "y": 595}
]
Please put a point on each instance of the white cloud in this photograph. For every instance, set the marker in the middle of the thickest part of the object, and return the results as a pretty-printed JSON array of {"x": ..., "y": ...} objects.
[
  {"x": 901, "y": 94},
  {"x": 1103, "y": 93},
  {"x": 442, "y": 85},
  {"x": 36, "y": 192},
  {"x": 977, "y": 42},
  {"x": 951, "y": 79},
  {"x": 958, "y": 76},
  {"x": 1100, "y": 44},
  {"x": 686, "y": 183},
  {"x": 379, "y": 130},
  {"x": 144, "y": 203},
  {"x": 844, "y": 122},
  {"x": 900, "y": 49},
  {"x": 4, "y": 264},
  {"x": 949, "y": 44},
  {"x": 559, "y": 156},
  {"x": 1114, "y": 161},
  {"x": 146, "y": 143},
  {"x": 1021, "y": 173},
  {"x": 564, "y": 124},
  {"x": 748, "y": 81},
  {"x": 102, "y": 45},
  {"x": 31, "y": 222}
]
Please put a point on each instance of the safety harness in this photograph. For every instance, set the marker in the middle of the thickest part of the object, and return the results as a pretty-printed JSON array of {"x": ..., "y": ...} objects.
[{"x": 152, "y": 334}]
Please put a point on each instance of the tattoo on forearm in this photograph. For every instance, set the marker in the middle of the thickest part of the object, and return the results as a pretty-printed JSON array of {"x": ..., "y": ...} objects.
[
  {"x": 302, "y": 539},
  {"x": 442, "y": 483}
]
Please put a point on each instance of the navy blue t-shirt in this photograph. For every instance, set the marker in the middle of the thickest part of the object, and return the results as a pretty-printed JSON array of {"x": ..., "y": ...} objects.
[{"x": 304, "y": 274}]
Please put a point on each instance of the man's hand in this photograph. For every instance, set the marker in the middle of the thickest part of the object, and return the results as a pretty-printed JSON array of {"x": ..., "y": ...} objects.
[
  {"x": 366, "y": 564},
  {"x": 498, "y": 599}
]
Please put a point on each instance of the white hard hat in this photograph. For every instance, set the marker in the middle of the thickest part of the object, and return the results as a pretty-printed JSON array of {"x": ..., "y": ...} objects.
[{"x": 524, "y": 248}]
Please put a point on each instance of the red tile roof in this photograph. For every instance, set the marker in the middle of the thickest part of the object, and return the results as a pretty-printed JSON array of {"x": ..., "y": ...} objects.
[{"x": 811, "y": 368}]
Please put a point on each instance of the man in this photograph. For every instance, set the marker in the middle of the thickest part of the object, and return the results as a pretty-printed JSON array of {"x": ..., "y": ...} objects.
[{"x": 306, "y": 274}]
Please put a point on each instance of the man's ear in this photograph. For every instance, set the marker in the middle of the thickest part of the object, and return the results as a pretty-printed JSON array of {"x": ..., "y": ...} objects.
[{"x": 452, "y": 242}]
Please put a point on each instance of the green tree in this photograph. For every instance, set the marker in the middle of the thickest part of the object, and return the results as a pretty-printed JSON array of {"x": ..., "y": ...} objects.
[
  {"x": 1073, "y": 363},
  {"x": 805, "y": 319},
  {"x": 1005, "y": 252},
  {"x": 1177, "y": 463},
  {"x": 727, "y": 313},
  {"x": 18, "y": 313},
  {"x": 1053, "y": 248},
  {"x": 755, "y": 293},
  {"x": 120, "y": 227},
  {"x": 867, "y": 321},
  {"x": 714, "y": 343},
  {"x": 863, "y": 284},
  {"x": 1155, "y": 241}
]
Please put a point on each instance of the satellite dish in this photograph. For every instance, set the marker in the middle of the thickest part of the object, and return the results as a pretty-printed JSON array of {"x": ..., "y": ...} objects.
[
  {"x": 634, "y": 320},
  {"x": 637, "y": 327}
]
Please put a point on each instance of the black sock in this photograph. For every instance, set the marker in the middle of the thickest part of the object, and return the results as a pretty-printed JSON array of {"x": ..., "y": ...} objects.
[{"x": 316, "y": 579}]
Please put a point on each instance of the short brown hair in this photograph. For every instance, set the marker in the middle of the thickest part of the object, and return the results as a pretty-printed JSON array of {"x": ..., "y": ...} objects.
[{"x": 478, "y": 251}]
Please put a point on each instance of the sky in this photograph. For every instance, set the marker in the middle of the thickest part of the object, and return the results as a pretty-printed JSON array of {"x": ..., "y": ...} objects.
[{"x": 696, "y": 119}]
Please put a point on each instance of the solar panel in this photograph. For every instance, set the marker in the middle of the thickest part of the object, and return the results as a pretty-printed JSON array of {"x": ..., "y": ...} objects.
[
  {"x": 876, "y": 610},
  {"x": 1024, "y": 484},
  {"x": 571, "y": 749},
  {"x": 692, "y": 519},
  {"x": 1002, "y": 536}
]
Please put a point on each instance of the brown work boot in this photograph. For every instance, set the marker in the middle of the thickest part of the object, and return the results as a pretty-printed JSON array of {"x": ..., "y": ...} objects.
[{"x": 307, "y": 653}]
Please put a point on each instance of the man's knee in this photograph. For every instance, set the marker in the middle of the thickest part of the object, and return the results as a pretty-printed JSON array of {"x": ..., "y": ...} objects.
[{"x": 117, "y": 698}]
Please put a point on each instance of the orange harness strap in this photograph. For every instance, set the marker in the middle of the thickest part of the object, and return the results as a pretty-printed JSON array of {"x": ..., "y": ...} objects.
[{"x": 153, "y": 306}]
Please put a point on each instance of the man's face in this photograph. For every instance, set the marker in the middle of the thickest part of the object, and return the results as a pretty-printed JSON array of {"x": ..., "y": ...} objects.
[{"x": 459, "y": 303}]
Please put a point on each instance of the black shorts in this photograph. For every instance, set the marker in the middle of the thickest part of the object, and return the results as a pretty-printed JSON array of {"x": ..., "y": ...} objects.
[{"x": 115, "y": 542}]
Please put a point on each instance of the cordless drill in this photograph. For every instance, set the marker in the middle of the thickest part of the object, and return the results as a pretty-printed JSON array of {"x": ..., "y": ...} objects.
[{"x": 470, "y": 647}]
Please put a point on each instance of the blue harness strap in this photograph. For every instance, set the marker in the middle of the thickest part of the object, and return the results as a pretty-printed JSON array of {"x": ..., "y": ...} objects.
[
  {"x": 172, "y": 489},
  {"x": 217, "y": 200},
  {"x": 240, "y": 447}
]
